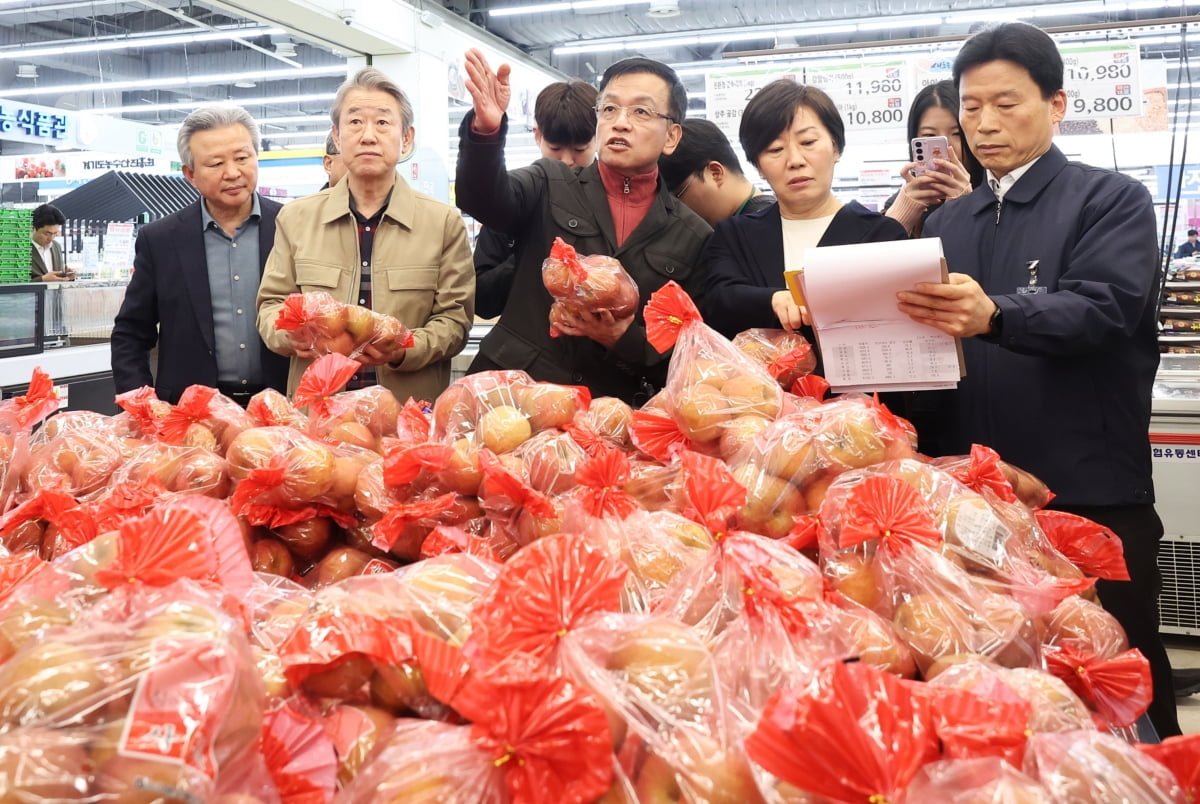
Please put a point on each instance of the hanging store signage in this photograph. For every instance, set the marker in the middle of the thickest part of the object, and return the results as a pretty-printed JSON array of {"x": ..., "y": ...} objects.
[
  {"x": 1102, "y": 81},
  {"x": 869, "y": 94},
  {"x": 728, "y": 92},
  {"x": 23, "y": 122}
]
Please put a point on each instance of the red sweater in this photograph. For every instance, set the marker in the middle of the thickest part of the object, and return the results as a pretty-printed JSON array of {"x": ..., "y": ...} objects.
[{"x": 629, "y": 199}]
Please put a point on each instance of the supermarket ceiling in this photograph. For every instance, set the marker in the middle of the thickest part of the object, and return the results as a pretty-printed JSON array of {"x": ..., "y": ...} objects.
[{"x": 152, "y": 61}]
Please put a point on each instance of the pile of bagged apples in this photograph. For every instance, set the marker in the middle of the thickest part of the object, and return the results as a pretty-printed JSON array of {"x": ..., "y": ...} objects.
[{"x": 741, "y": 592}]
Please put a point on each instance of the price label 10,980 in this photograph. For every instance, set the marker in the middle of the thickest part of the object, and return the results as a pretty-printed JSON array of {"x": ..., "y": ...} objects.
[
  {"x": 869, "y": 94},
  {"x": 1102, "y": 81}
]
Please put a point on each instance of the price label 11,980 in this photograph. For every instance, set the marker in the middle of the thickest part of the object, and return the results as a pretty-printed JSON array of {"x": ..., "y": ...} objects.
[
  {"x": 1102, "y": 81},
  {"x": 869, "y": 94}
]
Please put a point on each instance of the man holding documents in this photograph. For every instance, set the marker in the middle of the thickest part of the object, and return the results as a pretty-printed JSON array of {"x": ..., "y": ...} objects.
[{"x": 1053, "y": 284}]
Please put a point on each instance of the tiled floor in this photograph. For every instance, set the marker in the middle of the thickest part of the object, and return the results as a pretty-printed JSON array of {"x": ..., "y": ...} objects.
[{"x": 1185, "y": 652}]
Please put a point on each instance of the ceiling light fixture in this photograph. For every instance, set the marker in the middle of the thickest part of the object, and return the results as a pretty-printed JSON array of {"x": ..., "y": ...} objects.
[
  {"x": 661, "y": 9},
  {"x": 572, "y": 5},
  {"x": 127, "y": 42},
  {"x": 245, "y": 83},
  {"x": 185, "y": 80},
  {"x": 27, "y": 71},
  {"x": 324, "y": 97}
]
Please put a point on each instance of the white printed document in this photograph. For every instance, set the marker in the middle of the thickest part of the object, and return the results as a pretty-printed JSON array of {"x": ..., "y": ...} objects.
[{"x": 866, "y": 343}]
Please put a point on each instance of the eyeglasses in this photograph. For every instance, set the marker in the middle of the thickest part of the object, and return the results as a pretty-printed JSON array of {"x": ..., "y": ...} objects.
[
  {"x": 641, "y": 115},
  {"x": 684, "y": 187}
]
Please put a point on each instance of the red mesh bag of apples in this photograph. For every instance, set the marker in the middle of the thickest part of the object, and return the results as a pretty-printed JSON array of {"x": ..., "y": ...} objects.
[
  {"x": 318, "y": 322},
  {"x": 588, "y": 284}
]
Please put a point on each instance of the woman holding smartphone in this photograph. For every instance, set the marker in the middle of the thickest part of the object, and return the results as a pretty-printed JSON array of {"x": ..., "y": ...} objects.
[
  {"x": 934, "y": 113},
  {"x": 794, "y": 135}
]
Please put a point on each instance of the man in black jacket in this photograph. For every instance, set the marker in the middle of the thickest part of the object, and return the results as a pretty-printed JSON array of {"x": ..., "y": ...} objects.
[
  {"x": 196, "y": 273},
  {"x": 564, "y": 116},
  {"x": 618, "y": 207}
]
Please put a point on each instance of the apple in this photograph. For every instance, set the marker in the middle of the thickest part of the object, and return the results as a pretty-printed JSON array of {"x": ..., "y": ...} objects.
[
  {"x": 49, "y": 680},
  {"x": 462, "y": 473},
  {"x": 309, "y": 471},
  {"x": 371, "y": 495},
  {"x": 26, "y": 536},
  {"x": 609, "y": 417},
  {"x": 699, "y": 769},
  {"x": 1086, "y": 627},
  {"x": 41, "y": 764},
  {"x": 354, "y": 433},
  {"x": 548, "y": 405},
  {"x": 740, "y": 431},
  {"x": 200, "y": 435},
  {"x": 551, "y": 459},
  {"x": 399, "y": 688},
  {"x": 702, "y": 411},
  {"x": 135, "y": 780},
  {"x": 337, "y": 565},
  {"x": 1054, "y": 706},
  {"x": 344, "y": 479},
  {"x": 530, "y": 527},
  {"x": 933, "y": 625},
  {"x": 455, "y": 411},
  {"x": 788, "y": 453},
  {"x": 748, "y": 393},
  {"x": 366, "y": 725},
  {"x": 307, "y": 539},
  {"x": 708, "y": 371},
  {"x": 203, "y": 473},
  {"x": 253, "y": 448},
  {"x": 360, "y": 323},
  {"x": 271, "y": 555},
  {"x": 377, "y": 408},
  {"x": 177, "y": 621},
  {"x": 667, "y": 662},
  {"x": 857, "y": 576},
  {"x": 873, "y": 641},
  {"x": 771, "y": 504},
  {"x": 344, "y": 678},
  {"x": 23, "y": 619},
  {"x": 504, "y": 428},
  {"x": 849, "y": 437}
]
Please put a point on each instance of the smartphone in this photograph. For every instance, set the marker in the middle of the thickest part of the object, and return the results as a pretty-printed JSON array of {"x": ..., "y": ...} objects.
[{"x": 925, "y": 150}]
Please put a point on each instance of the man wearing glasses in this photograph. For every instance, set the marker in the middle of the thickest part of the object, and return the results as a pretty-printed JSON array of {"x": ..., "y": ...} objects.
[{"x": 617, "y": 206}]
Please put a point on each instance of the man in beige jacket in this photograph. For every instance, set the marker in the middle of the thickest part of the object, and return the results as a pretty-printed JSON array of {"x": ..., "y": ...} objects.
[{"x": 373, "y": 241}]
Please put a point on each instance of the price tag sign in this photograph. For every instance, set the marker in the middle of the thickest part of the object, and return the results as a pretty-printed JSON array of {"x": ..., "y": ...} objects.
[
  {"x": 869, "y": 94},
  {"x": 1102, "y": 81},
  {"x": 728, "y": 92}
]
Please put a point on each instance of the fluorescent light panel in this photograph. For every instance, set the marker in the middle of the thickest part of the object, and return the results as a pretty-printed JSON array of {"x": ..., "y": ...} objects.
[
  {"x": 550, "y": 8},
  {"x": 185, "y": 80},
  {"x": 189, "y": 105},
  {"x": 124, "y": 43}
]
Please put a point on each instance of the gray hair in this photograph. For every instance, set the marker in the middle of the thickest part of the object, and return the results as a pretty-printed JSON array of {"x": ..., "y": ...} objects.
[
  {"x": 207, "y": 118},
  {"x": 331, "y": 148},
  {"x": 372, "y": 79}
]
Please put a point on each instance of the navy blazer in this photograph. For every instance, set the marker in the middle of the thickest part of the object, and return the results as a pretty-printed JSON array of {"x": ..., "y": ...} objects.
[
  {"x": 745, "y": 259},
  {"x": 168, "y": 303}
]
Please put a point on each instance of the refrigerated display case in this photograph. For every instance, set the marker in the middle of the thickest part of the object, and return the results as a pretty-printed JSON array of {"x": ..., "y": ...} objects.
[{"x": 1175, "y": 448}]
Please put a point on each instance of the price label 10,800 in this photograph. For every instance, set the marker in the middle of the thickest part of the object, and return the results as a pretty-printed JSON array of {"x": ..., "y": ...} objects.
[{"x": 1102, "y": 81}]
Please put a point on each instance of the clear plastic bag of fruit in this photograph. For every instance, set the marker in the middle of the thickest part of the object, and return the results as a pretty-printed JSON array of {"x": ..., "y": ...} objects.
[
  {"x": 284, "y": 475},
  {"x": 788, "y": 356},
  {"x": 590, "y": 284},
  {"x": 974, "y": 781},
  {"x": 79, "y": 461},
  {"x": 711, "y": 384},
  {"x": 607, "y": 419},
  {"x": 848, "y": 732},
  {"x": 181, "y": 469},
  {"x": 18, "y": 416},
  {"x": 204, "y": 417},
  {"x": 361, "y": 417},
  {"x": 1094, "y": 766},
  {"x": 317, "y": 322},
  {"x": 269, "y": 407},
  {"x": 983, "y": 468},
  {"x": 1052, "y": 704},
  {"x": 160, "y": 685}
]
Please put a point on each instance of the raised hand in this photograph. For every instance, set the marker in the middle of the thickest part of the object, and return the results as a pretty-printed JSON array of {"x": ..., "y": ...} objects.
[{"x": 490, "y": 91}]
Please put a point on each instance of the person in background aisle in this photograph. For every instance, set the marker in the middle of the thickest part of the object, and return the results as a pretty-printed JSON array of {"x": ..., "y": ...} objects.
[
  {"x": 1186, "y": 249},
  {"x": 332, "y": 162},
  {"x": 617, "y": 206},
  {"x": 1054, "y": 293},
  {"x": 794, "y": 135},
  {"x": 934, "y": 113},
  {"x": 46, "y": 257},
  {"x": 564, "y": 128},
  {"x": 704, "y": 173},
  {"x": 196, "y": 272},
  {"x": 372, "y": 241}
]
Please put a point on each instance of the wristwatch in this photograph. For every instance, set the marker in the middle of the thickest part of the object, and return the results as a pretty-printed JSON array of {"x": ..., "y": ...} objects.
[{"x": 993, "y": 330}]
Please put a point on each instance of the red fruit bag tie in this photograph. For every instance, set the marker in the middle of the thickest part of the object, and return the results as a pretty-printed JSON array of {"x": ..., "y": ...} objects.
[
  {"x": 669, "y": 309},
  {"x": 38, "y": 402},
  {"x": 714, "y": 496},
  {"x": 1088, "y": 545},
  {"x": 194, "y": 406},
  {"x": 565, "y": 253},
  {"x": 890, "y": 510},
  {"x": 326, "y": 376},
  {"x": 602, "y": 478},
  {"x": 292, "y": 314}
]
